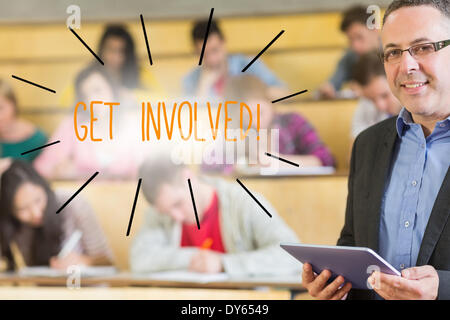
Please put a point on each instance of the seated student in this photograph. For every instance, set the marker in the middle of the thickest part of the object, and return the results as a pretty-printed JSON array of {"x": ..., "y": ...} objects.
[
  {"x": 16, "y": 135},
  {"x": 29, "y": 221},
  {"x": 297, "y": 137},
  {"x": 75, "y": 159},
  {"x": 377, "y": 101},
  {"x": 361, "y": 40},
  {"x": 117, "y": 50},
  {"x": 236, "y": 236},
  {"x": 218, "y": 65}
]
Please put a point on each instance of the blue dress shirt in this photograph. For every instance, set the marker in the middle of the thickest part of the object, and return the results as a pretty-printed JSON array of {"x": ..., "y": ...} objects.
[{"x": 417, "y": 171}]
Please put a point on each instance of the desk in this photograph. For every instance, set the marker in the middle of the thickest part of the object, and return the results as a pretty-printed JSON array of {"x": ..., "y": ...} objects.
[
  {"x": 52, "y": 293},
  {"x": 125, "y": 279}
]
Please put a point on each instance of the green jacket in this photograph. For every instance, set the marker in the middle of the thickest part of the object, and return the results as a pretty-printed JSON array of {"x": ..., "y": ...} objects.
[{"x": 250, "y": 237}]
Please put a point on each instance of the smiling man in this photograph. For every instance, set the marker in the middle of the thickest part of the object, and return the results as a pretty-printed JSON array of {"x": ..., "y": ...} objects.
[{"x": 399, "y": 185}]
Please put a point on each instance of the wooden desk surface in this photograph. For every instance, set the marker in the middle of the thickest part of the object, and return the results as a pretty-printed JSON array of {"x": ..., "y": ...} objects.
[
  {"x": 130, "y": 280},
  {"x": 51, "y": 293}
]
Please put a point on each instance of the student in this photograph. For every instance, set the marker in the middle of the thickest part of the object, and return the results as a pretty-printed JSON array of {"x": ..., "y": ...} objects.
[
  {"x": 16, "y": 135},
  {"x": 75, "y": 159},
  {"x": 29, "y": 221},
  {"x": 218, "y": 65},
  {"x": 117, "y": 50},
  {"x": 236, "y": 236},
  {"x": 297, "y": 137},
  {"x": 377, "y": 101},
  {"x": 361, "y": 40}
]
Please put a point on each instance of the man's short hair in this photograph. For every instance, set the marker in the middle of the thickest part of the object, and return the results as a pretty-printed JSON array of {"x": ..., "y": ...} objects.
[
  {"x": 356, "y": 14},
  {"x": 200, "y": 27},
  {"x": 442, "y": 5},
  {"x": 368, "y": 67},
  {"x": 156, "y": 171}
]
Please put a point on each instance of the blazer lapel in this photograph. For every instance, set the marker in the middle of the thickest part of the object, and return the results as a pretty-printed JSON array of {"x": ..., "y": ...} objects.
[
  {"x": 380, "y": 169},
  {"x": 436, "y": 222}
]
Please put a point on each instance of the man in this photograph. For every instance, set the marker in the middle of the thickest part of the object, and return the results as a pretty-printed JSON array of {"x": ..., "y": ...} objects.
[
  {"x": 361, "y": 40},
  {"x": 209, "y": 80},
  {"x": 377, "y": 102},
  {"x": 235, "y": 236},
  {"x": 399, "y": 184}
]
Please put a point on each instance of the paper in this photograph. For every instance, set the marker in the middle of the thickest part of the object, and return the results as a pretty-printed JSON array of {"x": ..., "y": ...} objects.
[
  {"x": 43, "y": 271},
  {"x": 296, "y": 171},
  {"x": 188, "y": 276}
]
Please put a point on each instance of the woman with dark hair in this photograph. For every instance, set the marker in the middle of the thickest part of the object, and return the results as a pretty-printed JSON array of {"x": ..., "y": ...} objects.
[
  {"x": 16, "y": 134},
  {"x": 29, "y": 221},
  {"x": 117, "y": 50}
]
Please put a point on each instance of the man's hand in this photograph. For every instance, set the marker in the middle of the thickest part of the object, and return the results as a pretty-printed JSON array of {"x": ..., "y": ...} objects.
[
  {"x": 206, "y": 261},
  {"x": 327, "y": 91},
  {"x": 317, "y": 284},
  {"x": 417, "y": 283}
]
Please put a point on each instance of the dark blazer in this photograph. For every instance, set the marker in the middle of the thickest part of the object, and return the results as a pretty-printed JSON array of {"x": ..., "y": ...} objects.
[{"x": 370, "y": 163}]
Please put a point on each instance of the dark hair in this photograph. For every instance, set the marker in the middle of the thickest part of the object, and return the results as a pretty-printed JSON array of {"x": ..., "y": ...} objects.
[
  {"x": 442, "y": 5},
  {"x": 367, "y": 67},
  {"x": 200, "y": 27},
  {"x": 356, "y": 14},
  {"x": 46, "y": 238},
  {"x": 86, "y": 73},
  {"x": 82, "y": 76},
  {"x": 155, "y": 172},
  {"x": 129, "y": 72}
]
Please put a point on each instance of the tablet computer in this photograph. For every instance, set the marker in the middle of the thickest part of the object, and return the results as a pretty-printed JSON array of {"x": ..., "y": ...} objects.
[{"x": 355, "y": 264}]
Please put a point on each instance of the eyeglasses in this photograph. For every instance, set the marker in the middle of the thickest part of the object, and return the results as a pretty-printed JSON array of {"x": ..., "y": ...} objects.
[{"x": 417, "y": 51}]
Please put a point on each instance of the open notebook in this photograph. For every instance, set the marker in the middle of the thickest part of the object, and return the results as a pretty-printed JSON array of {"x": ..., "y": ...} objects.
[
  {"x": 43, "y": 271},
  {"x": 286, "y": 171},
  {"x": 188, "y": 276}
]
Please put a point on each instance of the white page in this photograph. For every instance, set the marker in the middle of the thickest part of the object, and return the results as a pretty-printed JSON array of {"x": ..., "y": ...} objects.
[
  {"x": 86, "y": 271},
  {"x": 188, "y": 276}
]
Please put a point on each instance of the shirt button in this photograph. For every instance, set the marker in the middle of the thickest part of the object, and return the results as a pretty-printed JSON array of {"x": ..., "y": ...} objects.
[
  {"x": 414, "y": 183},
  {"x": 402, "y": 266},
  {"x": 442, "y": 125},
  {"x": 406, "y": 224}
]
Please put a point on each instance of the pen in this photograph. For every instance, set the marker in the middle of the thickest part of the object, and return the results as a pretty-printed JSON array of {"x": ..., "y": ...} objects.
[
  {"x": 70, "y": 244},
  {"x": 207, "y": 244}
]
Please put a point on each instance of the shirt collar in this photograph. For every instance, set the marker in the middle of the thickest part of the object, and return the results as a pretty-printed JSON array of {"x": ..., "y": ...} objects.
[{"x": 404, "y": 120}]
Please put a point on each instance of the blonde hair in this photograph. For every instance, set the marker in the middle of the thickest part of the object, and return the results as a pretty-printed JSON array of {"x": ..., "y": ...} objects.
[
  {"x": 244, "y": 87},
  {"x": 7, "y": 91}
]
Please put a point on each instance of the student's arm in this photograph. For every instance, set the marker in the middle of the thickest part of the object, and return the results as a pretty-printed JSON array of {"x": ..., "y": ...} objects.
[
  {"x": 277, "y": 89},
  {"x": 343, "y": 71},
  {"x": 50, "y": 158},
  {"x": 93, "y": 244},
  {"x": 267, "y": 257},
  {"x": 155, "y": 248}
]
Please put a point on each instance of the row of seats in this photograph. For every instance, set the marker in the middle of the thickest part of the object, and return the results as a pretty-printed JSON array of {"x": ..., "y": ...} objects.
[
  {"x": 313, "y": 207},
  {"x": 303, "y": 57}
]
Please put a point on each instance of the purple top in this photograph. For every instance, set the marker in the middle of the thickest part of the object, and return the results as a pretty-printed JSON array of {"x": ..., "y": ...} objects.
[{"x": 296, "y": 137}]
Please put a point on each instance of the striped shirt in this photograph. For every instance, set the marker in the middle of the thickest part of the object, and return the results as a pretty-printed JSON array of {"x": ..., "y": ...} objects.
[
  {"x": 78, "y": 215},
  {"x": 296, "y": 137}
]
